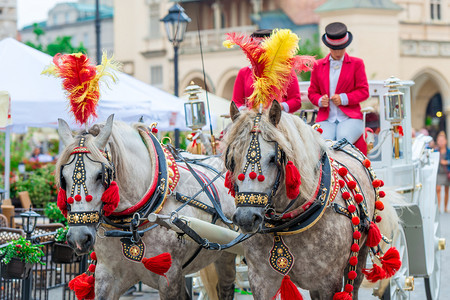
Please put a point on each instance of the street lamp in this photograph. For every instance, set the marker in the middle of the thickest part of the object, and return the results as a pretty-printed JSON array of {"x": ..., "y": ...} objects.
[
  {"x": 29, "y": 220},
  {"x": 176, "y": 23}
]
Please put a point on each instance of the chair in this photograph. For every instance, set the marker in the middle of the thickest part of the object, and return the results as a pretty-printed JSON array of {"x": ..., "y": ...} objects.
[
  {"x": 25, "y": 200},
  {"x": 9, "y": 211}
]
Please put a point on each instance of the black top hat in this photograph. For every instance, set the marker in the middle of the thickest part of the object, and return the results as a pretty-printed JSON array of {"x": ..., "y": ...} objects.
[
  {"x": 261, "y": 33},
  {"x": 336, "y": 36}
]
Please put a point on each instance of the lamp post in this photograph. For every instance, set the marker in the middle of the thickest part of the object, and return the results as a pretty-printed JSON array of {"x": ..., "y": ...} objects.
[
  {"x": 29, "y": 220},
  {"x": 176, "y": 23}
]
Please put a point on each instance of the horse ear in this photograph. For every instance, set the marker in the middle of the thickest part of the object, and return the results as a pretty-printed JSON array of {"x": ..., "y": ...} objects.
[
  {"x": 275, "y": 113},
  {"x": 65, "y": 134},
  {"x": 234, "y": 111},
  {"x": 102, "y": 138}
]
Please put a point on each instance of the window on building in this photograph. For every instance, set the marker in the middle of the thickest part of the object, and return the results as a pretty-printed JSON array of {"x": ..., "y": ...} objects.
[
  {"x": 155, "y": 23},
  {"x": 55, "y": 19},
  {"x": 156, "y": 76},
  {"x": 435, "y": 10},
  {"x": 67, "y": 16}
]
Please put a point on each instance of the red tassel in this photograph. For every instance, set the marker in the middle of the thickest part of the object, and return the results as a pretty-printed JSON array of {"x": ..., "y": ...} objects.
[
  {"x": 83, "y": 287},
  {"x": 288, "y": 290},
  {"x": 292, "y": 180},
  {"x": 374, "y": 274},
  {"x": 391, "y": 262},
  {"x": 229, "y": 184},
  {"x": 111, "y": 198},
  {"x": 61, "y": 202},
  {"x": 374, "y": 235},
  {"x": 159, "y": 264},
  {"x": 342, "y": 296}
]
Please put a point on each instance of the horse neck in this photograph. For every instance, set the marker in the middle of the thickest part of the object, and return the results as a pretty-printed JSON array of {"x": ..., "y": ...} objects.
[{"x": 136, "y": 171}]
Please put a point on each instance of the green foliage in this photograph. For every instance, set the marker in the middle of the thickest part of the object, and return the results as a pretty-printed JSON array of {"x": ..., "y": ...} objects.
[
  {"x": 61, "y": 234},
  {"x": 52, "y": 212},
  {"x": 312, "y": 48},
  {"x": 22, "y": 249},
  {"x": 40, "y": 185},
  {"x": 20, "y": 147}
]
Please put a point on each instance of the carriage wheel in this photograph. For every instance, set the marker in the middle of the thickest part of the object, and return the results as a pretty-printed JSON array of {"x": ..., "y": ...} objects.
[
  {"x": 401, "y": 283},
  {"x": 433, "y": 280}
]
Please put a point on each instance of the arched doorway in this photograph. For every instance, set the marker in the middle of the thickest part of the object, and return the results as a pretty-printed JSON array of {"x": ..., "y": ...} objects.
[{"x": 435, "y": 116}]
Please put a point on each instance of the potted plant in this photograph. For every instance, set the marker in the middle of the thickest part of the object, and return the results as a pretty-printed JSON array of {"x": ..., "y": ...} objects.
[
  {"x": 18, "y": 258},
  {"x": 61, "y": 252},
  {"x": 55, "y": 215}
]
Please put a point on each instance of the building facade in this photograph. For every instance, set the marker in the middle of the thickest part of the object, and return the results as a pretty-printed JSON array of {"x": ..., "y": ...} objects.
[
  {"x": 8, "y": 18},
  {"x": 77, "y": 20},
  {"x": 406, "y": 38}
]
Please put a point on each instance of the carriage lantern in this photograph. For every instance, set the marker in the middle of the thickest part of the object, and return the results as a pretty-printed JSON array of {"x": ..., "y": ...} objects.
[
  {"x": 394, "y": 109},
  {"x": 29, "y": 220},
  {"x": 194, "y": 108}
]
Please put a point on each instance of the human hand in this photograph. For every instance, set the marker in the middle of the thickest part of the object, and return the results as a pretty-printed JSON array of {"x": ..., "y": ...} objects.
[
  {"x": 336, "y": 99},
  {"x": 324, "y": 101}
]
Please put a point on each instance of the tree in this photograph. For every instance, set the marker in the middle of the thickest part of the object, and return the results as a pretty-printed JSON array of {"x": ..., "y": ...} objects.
[
  {"x": 310, "y": 47},
  {"x": 62, "y": 44}
]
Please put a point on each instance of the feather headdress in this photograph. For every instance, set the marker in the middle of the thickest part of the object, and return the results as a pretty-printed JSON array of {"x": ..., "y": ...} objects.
[
  {"x": 272, "y": 62},
  {"x": 81, "y": 81}
]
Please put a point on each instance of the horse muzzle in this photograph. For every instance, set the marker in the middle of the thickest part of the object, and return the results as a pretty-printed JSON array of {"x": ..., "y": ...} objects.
[
  {"x": 81, "y": 239},
  {"x": 249, "y": 219}
]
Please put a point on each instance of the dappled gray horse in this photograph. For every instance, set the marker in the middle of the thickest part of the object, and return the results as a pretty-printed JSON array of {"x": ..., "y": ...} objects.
[
  {"x": 310, "y": 231},
  {"x": 148, "y": 180}
]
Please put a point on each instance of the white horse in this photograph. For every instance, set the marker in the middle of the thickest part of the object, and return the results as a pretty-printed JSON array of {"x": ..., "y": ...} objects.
[
  {"x": 319, "y": 240},
  {"x": 137, "y": 164}
]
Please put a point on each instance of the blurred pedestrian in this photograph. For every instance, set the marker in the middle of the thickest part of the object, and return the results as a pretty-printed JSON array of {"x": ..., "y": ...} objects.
[{"x": 443, "y": 171}]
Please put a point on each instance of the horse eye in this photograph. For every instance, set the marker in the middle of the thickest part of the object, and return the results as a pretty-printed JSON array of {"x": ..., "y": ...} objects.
[
  {"x": 272, "y": 159},
  {"x": 99, "y": 176}
]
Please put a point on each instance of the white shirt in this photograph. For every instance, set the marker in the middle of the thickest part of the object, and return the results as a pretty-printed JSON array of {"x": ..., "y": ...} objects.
[{"x": 335, "y": 112}]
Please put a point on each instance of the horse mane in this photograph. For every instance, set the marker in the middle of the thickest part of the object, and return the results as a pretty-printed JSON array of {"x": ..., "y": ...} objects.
[
  {"x": 115, "y": 147},
  {"x": 301, "y": 144}
]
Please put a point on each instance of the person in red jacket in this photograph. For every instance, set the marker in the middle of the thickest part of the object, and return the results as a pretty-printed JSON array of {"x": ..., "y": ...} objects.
[
  {"x": 243, "y": 85},
  {"x": 338, "y": 86}
]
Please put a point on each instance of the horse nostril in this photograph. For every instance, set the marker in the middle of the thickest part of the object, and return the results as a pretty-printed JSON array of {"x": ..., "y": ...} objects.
[
  {"x": 257, "y": 219},
  {"x": 234, "y": 219},
  {"x": 89, "y": 241}
]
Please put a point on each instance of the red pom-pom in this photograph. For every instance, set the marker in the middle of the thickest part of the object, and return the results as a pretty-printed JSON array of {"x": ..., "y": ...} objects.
[
  {"x": 348, "y": 288},
  {"x": 341, "y": 183},
  {"x": 376, "y": 183},
  {"x": 342, "y": 171},
  {"x": 356, "y": 235},
  {"x": 346, "y": 195},
  {"x": 154, "y": 130},
  {"x": 61, "y": 202},
  {"x": 391, "y": 262},
  {"x": 78, "y": 197},
  {"x": 89, "y": 198},
  {"x": 374, "y": 274},
  {"x": 354, "y": 247},
  {"x": 288, "y": 290},
  {"x": 379, "y": 205},
  {"x": 70, "y": 200},
  {"x": 378, "y": 219},
  {"x": 241, "y": 177},
  {"x": 292, "y": 180},
  {"x": 159, "y": 264},
  {"x": 355, "y": 221},
  {"x": 90, "y": 279},
  {"x": 342, "y": 296},
  {"x": 91, "y": 268},
  {"x": 261, "y": 178},
  {"x": 381, "y": 194},
  {"x": 93, "y": 255},
  {"x": 374, "y": 235},
  {"x": 352, "y": 275},
  {"x": 229, "y": 184},
  {"x": 351, "y": 208},
  {"x": 381, "y": 183},
  {"x": 359, "y": 198},
  {"x": 111, "y": 198},
  {"x": 351, "y": 185},
  {"x": 366, "y": 163},
  {"x": 252, "y": 175},
  {"x": 319, "y": 130},
  {"x": 353, "y": 261},
  {"x": 82, "y": 288}
]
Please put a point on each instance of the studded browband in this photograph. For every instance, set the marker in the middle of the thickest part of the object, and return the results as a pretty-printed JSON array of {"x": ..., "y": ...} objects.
[{"x": 81, "y": 218}]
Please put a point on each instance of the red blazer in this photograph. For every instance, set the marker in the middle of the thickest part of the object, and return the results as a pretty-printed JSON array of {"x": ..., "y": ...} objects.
[
  {"x": 243, "y": 88},
  {"x": 352, "y": 81}
]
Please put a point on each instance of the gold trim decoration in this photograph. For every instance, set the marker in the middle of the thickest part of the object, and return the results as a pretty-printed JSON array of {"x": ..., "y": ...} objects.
[
  {"x": 280, "y": 259},
  {"x": 251, "y": 199},
  {"x": 82, "y": 218}
]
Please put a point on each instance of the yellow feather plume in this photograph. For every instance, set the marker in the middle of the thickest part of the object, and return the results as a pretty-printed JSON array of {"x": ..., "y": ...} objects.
[{"x": 276, "y": 60}]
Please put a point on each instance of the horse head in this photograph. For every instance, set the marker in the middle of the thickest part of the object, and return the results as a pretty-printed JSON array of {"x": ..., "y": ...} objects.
[
  {"x": 85, "y": 172},
  {"x": 262, "y": 157}
]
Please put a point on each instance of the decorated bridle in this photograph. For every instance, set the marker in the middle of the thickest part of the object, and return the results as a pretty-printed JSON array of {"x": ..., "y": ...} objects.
[{"x": 109, "y": 198}]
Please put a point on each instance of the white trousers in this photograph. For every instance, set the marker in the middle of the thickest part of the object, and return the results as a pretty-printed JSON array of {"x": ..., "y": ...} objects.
[{"x": 351, "y": 129}]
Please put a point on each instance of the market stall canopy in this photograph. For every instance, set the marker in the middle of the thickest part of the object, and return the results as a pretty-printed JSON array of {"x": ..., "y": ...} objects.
[{"x": 38, "y": 100}]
